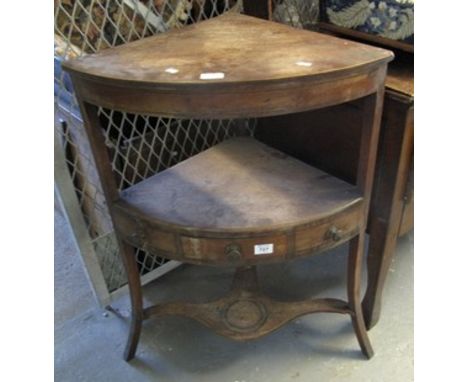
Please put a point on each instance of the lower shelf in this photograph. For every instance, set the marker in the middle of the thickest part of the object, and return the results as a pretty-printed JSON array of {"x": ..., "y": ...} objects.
[{"x": 239, "y": 203}]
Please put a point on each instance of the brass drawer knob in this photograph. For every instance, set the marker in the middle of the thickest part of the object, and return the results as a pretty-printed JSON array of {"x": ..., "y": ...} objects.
[
  {"x": 335, "y": 234},
  {"x": 233, "y": 253}
]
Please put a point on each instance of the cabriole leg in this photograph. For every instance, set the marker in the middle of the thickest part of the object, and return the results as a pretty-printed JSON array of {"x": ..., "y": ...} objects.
[
  {"x": 134, "y": 285},
  {"x": 356, "y": 251}
]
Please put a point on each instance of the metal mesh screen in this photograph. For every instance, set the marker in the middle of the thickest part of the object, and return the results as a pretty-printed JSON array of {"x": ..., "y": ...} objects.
[{"x": 140, "y": 146}]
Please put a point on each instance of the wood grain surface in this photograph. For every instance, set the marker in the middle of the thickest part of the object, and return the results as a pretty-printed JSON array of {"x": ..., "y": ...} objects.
[
  {"x": 240, "y": 185},
  {"x": 227, "y": 45},
  {"x": 240, "y": 193}
]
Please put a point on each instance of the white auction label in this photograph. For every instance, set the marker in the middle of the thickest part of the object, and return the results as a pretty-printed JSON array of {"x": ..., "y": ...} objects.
[
  {"x": 212, "y": 76},
  {"x": 263, "y": 249}
]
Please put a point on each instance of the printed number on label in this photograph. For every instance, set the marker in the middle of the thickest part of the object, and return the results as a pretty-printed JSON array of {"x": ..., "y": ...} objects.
[{"x": 263, "y": 249}]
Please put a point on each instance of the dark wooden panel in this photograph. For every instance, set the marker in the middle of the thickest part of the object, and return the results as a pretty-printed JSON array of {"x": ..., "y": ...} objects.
[
  {"x": 400, "y": 76},
  {"x": 257, "y": 8},
  {"x": 315, "y": 136},
  {"x": 391, "y": 177}
]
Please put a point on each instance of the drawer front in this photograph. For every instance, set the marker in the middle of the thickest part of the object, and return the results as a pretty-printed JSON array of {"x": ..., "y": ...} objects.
[
  {"x": 235, "y": 251},
  {"x": 227, "y": 249},
  {"x": 329, "y": 234},
  {"x": 140, "y": 234}
]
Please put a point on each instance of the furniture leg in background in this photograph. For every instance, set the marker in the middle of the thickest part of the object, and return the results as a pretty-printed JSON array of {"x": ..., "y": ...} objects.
[{"x": 391, "y": 213}]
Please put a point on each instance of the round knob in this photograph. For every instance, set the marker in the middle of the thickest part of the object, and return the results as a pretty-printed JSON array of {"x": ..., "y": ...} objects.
[
  {"x": 335, "y": 234},
  {"x": 233, "y": 253}
]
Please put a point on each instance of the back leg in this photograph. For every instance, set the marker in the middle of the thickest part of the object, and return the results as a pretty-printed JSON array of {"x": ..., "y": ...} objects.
[{"x": 356, "y": 251}]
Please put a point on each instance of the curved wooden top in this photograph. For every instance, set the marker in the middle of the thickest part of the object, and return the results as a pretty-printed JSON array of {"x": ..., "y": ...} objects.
[
  {"x": 238, "y": 186},
  {"x": 232, "y": 48},
  {"x": 231, "y": 66}
]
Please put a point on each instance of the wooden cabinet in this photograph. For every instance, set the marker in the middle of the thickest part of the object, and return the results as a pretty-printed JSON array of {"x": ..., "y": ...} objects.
[{"x": 240, "y": 203}]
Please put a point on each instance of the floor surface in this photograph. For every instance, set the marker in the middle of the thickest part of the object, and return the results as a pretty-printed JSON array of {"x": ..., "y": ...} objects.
[{"x": 89, "y": 341}]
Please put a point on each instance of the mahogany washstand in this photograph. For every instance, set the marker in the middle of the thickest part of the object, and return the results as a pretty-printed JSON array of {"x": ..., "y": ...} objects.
[{"x": 240, "y": 203}]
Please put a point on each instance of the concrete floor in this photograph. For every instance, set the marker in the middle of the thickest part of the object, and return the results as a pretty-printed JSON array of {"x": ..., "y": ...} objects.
[{"x": 89, "y": 341}]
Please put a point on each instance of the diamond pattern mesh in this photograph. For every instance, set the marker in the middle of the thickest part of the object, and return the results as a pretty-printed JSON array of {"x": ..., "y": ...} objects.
[{"x": 140, "y": 146}]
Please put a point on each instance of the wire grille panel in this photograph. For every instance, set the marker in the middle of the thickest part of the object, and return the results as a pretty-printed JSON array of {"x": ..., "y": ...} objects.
[{"x": 140, "y": 146}]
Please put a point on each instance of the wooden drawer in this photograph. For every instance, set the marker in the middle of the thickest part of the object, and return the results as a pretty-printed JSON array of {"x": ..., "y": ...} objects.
[
  {"x": 225, "y": 249},
  {"x": 234, "y": 251},
  {"x": 328, "y": 234}
]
